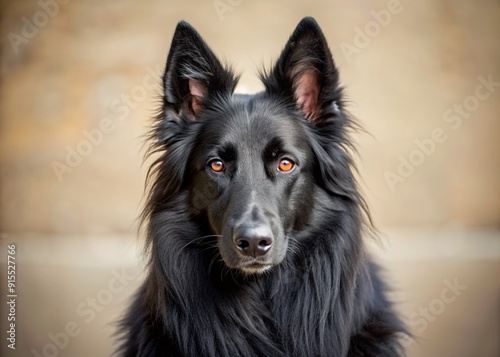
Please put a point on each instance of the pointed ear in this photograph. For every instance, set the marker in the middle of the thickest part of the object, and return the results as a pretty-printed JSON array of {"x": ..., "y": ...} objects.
[
  {"x": 193, "y": 74},
  {"x": 305, "y": 72}
]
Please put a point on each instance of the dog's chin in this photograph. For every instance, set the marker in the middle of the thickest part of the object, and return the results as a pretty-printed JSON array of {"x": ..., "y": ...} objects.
[
  {"x": 249, "y": 267},
  {"x": 255, "y": 268}
]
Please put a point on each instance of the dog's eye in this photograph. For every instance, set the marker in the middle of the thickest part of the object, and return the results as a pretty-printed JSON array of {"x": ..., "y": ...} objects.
[
  {"x": 286, "y": 165},
  {"x": 217, "y": 165}
]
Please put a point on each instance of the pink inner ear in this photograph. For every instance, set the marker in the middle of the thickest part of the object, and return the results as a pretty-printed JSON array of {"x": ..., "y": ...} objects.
[
  {"x": 307, "y": 92},
  {"x": 197, "y": 91}
]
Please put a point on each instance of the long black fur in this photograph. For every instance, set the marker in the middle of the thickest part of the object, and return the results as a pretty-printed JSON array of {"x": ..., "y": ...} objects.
[{"x": 324, "y": 297}]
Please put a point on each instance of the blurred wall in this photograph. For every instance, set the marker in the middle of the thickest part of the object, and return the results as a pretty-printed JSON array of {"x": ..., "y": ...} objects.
[{"x": 80, "y": 82}]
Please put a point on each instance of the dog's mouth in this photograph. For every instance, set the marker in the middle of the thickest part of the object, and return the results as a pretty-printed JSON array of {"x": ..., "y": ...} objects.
[
  {"x": 255, "y": 267},
  {"x": 248, "y": 265}
]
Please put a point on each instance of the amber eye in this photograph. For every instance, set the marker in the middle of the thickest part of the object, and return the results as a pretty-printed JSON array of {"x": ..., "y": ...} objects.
[
  {"x": 217, "y": 165},
  {"x": 286, "y": 165}
]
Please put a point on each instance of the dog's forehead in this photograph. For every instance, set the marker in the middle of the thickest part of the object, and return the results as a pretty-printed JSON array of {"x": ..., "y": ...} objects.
[{"x": 256, "y": 120}]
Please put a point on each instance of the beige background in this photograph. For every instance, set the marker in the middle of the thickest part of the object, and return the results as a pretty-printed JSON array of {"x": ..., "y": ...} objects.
[{"x": 71, "y": 68}]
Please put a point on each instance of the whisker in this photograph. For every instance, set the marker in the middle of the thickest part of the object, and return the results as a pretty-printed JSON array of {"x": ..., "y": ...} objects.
[
  {"x": 212, "y": 261},
  {"x": 200, "y": 239}
]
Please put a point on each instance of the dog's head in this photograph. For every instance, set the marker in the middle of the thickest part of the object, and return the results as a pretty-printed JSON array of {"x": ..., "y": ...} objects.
[{"x": 250, "y": 165}]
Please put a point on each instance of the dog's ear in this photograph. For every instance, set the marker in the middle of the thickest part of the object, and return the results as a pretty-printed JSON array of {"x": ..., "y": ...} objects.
[
  {"x": 305, "y": 72},
  {"x": 193, "y": 73}
]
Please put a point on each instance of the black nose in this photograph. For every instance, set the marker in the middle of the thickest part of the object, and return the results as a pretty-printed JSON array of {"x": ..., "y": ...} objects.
[{"x": 253, "y": 241}]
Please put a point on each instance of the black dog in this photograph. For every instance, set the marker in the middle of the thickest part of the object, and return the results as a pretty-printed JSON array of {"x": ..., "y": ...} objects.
[{"x": 254, "y": 220}]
